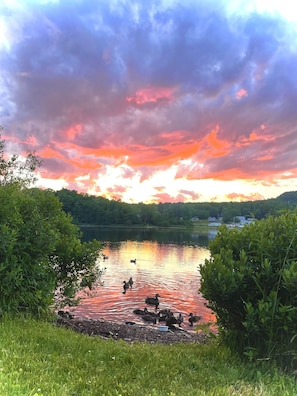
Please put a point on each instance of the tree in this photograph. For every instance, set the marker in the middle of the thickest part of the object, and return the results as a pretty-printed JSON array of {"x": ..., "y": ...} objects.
[
  {"x": 42, "y": 259},
  {"x": 15, "y": 169},
  {"x": 250, "y": 282}
]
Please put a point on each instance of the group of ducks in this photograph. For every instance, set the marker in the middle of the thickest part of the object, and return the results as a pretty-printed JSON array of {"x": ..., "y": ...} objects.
[
  {"x": 127, "y": 284},
  {"x": 164, "y": 315}
]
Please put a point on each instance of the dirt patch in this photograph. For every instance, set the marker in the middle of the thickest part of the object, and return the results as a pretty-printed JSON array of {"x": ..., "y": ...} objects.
[{"x": 132, "y": 332}]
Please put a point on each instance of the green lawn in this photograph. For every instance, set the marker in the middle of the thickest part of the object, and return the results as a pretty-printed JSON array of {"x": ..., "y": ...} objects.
[{"x": 37, "y": 358}]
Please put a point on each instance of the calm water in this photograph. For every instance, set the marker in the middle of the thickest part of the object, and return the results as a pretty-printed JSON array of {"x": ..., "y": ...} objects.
[{"x": 166, "y": 263}]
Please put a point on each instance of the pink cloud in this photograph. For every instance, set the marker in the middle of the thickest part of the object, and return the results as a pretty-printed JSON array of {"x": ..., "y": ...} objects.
[
  {"x": 241, "y": 93},
  {"x": 151, "y": 94}
]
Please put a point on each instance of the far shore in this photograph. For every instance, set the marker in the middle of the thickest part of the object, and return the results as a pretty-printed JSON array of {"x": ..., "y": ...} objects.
[{"x": 201, "y": 226}]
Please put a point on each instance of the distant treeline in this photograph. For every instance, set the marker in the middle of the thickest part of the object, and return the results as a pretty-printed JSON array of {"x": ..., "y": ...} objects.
[{"x": 94, "y": 210}]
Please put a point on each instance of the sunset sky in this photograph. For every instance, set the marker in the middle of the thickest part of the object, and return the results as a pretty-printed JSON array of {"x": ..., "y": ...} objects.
[{"x": 153, "y": 101}]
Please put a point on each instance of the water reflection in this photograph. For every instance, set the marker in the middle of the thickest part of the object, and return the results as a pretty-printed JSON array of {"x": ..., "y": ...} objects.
[{"x": 166, "y": 263}]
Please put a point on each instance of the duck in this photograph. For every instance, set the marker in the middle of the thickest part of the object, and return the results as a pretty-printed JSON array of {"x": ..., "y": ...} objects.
[
  {"x": 105, "y": 257},
  {"x": 193, "y": 318},
  {"x": 153, "y": 300},
  {"x": 180, "y": 319},
  {"x": 171, "y": 320},
  {"x": 153, "y": 314},
  {"x": 162, "y": 318},
  {"x": 165, "y": 311},
  {"x": 130, "y": 281},
  {"x": 125, "y": 287},
  {"x": 133, "y": 261},
  {"x": 140, "y": 311},
  {"x": 65, "y": 314},
  {"x": 163, "y": 314},
  {"x": 149, "y": 318}
]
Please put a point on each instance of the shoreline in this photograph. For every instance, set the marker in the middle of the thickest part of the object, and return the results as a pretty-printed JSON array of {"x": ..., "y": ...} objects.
[{"x": 131, "y": 332}]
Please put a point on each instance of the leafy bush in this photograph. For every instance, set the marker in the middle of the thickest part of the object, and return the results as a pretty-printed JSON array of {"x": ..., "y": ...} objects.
[
  {"x": 41, "y": 254},
  {"x": 42, "y": 258},
  {"x": 250, "y": 282}
]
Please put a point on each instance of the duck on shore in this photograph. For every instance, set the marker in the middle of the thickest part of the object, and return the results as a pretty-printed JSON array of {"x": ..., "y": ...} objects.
[
  {"x": 163, "y": 314},
  {"x": 193, "y": 318},
  {"x": 63, "y": 314},
  {"x": 171, "y": 320},
  {"x": 149, "y": 318},
  {"x": 180, "y": 319}
]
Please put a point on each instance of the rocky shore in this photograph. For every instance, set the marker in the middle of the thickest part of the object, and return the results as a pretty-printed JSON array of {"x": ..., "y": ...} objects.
[{"x": 131, "y": 332}]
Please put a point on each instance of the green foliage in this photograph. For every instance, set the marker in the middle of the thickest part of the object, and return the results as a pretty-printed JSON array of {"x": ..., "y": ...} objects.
[
  {"x": 88, "y": 209},
  {"x": 40, "y": 252},
  {"x": 42, "y": 258},
  {"x": 250, "y": 282}
]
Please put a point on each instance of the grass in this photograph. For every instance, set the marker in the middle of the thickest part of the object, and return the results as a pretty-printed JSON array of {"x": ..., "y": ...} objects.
[
  {"x": 37, "y": 358},
  {"x": 202, "y": 226}
]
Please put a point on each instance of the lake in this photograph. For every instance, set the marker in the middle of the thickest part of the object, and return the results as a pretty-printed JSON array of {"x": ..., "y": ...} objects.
[{"x": 167, "y": 263}]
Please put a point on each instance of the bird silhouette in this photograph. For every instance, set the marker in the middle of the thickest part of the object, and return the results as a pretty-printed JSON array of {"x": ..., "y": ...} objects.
[
  {"x": 125, "y": 287},
  {"x": 153, "y": 300},
  {"x": 193, "y": 318}
]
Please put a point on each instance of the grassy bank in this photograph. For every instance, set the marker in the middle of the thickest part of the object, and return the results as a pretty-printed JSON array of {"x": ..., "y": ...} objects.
[{"x": 37, "y": 358}]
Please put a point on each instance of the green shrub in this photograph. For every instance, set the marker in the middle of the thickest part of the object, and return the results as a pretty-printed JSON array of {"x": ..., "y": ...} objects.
[
  {"x": 250, "y": 282},
  {"x": 42, "y": 258}
]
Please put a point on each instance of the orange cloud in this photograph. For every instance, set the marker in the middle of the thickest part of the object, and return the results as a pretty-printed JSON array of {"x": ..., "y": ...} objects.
[
  {"x": 161, "y": 155},
  {"x": 78, "y": 161},
  {"x": 215, "y": 147},
  {"x": 232, "y": 174},
  {"x": 266, "y": 157},
  {"x": 236, "y": 197},
  {"x": 48, "y": 152},
  {"x": 288, "y": 175}
]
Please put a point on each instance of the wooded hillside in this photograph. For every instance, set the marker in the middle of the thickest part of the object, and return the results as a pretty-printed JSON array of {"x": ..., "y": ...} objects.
[{"x": 95, "y": 210}]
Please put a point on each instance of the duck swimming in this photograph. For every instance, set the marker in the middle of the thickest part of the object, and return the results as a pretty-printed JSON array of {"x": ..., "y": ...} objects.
[
  {"x": 153, "y": 300},
  {"x": 133, "y": 261},
  {"x": 140, "y": 311},
  {"x": 130, "y": 281},
  {"x": 125, "y": 287}
]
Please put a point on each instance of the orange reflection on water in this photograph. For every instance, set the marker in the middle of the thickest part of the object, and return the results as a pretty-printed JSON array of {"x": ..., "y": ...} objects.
[{"x": 167, "y": 269}]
